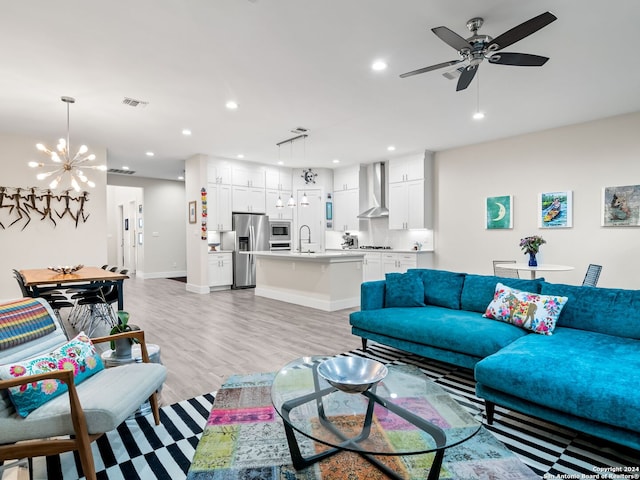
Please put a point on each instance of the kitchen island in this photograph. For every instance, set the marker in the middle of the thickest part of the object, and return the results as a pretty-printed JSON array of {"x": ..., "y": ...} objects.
[{"x": 327, "y": 281}]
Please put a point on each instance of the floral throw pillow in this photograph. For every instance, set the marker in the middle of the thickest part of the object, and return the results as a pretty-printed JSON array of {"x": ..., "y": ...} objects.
[
  {"x": 531, "y": 311},
  {"x": 78, "y": 355}
]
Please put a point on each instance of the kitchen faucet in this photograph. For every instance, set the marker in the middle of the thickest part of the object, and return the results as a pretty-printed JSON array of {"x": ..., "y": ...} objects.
[{"x": 300, "y": 237}]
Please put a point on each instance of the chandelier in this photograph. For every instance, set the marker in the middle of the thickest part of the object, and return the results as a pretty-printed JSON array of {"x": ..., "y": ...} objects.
[{"x": 62, "y": 162}]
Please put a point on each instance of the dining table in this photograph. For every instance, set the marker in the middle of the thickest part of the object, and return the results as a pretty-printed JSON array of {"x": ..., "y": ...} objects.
[
  {"x": 543, "y": 267},
  {"x": 42, "y": 279}
]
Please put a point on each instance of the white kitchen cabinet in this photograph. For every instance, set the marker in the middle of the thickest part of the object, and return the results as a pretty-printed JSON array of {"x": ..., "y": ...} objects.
[
  {"x": 406, "y": 205},
  {"x": 406, "y": 169},
  {"x": 248, "y": 176},
  {"x": 248, "y": 199},
  {"x": 345, "y": 210},
  {"x": 372, "y": 267},
  {"x": 410, "y": 199},
  {"x": 219, "y": 207},
  {"x": 347, "y": 178},
  {"x": 284, "y": 213},
  {"x": 278, "y": 178},
  {"x": 220, "y": 269},
  {"x": 219, "y": 171}
]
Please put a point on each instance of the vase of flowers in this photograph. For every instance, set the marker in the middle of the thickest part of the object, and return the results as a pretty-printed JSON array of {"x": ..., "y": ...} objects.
[{"x": 531, "y": 246}]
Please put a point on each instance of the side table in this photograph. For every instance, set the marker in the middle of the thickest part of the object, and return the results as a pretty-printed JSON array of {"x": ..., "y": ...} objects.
[{"x": 110, "y": 360}]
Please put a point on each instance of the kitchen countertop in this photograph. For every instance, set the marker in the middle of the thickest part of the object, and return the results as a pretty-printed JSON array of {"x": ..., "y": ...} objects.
[
  {"x": 220, "y": 251},
  {"x": 329, "y": 255},
  {"x": 379, "y": 250}
]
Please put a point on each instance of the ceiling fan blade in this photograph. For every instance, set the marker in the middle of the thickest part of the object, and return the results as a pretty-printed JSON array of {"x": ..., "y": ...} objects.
[
  {"x": 451, "y": 38},
  {"x": 428, "y": 69},
  {"x": 466, "y": 77},
  {"x": 521, "y": 31},
  {"x": 518, "y": 59}
]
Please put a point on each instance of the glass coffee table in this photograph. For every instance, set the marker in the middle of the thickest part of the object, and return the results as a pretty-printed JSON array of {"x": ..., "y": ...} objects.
[{"x": 404, "y": 414}]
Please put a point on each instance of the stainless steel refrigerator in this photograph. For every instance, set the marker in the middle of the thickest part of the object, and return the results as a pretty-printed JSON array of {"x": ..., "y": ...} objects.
[{"x": 252, "y": 234}]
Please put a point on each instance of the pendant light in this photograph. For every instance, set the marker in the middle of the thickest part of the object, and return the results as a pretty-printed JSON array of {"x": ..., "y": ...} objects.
[
  {"x": 305, "y": 201},
  {"x": 292, "y": 202},
  {"x": 279, "y": 202},
  {"x": 63, "y": 163}
]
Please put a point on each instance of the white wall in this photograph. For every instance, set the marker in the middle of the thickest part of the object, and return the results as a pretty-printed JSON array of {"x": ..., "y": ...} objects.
[
  {"x": 164, "y": 212},
  {"x": 129, "y": 199},
  {"x": 42, "y": 243},
  {"x": 583, "y": 158}
]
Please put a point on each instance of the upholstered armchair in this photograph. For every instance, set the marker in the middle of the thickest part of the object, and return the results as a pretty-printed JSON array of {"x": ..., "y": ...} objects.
[{"x": 91, "y": 406}]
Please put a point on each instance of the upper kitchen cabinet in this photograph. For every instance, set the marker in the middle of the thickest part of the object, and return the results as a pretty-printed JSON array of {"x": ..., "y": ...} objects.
[
  {"x": 219, "y": 203},
  {"x": 406, "y": 169},
  {"x": 346, "y": 178},
  {"x": 248, "y": 175},
  {"x": 411, "y": 199},
  {"x": 275, "y": 213},
  {"x": 278, "y": 178},
  {"x": 248, "y": 199},
  {"x": 219, "y": 171},
  {"x": 345, "y": 210}
]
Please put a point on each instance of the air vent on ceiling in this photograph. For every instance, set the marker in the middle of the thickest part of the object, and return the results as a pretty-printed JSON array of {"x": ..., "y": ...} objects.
[
  {"x": 132, "y": 102},
  {"x": 300, "y": 130},
  {"x": 119, "y": 170}
]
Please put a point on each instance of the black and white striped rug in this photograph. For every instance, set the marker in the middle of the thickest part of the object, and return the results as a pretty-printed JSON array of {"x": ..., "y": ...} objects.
[{"x": 139, "y": 450}]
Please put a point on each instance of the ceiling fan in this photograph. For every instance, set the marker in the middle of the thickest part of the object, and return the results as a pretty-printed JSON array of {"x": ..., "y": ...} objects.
[{"x": 476, "y": 48}]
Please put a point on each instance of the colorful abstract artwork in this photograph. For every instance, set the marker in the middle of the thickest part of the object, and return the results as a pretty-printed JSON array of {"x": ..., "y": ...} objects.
[
  {"x": 498, "y": 212},
  {"x": 621, "y": 206},
  {"x": 555, "y": 209}
]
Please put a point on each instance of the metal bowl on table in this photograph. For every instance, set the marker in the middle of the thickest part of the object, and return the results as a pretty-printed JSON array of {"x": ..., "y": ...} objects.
[{"x": 352, "y": 374}]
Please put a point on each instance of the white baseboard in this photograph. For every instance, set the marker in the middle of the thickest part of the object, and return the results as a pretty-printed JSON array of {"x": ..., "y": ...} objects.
[{"x": 201, "y": 289}]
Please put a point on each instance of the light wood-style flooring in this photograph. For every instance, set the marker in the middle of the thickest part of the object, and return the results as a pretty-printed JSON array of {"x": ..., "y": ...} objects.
[{"x": 206, "y": 338}]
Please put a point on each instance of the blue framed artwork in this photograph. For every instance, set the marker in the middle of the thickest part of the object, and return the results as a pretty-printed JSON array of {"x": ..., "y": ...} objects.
[
  {"x": 499, "y": 212},
  {"x": 555, "y": 209}
]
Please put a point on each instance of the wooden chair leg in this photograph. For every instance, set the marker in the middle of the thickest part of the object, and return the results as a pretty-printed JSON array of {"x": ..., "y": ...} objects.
[
  {"x": 153, "y": 400},
  {"x": 86, "y": 457}
]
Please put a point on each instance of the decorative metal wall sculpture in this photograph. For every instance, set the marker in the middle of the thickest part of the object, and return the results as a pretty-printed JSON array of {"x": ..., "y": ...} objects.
[{"x": 21, "y": 204}]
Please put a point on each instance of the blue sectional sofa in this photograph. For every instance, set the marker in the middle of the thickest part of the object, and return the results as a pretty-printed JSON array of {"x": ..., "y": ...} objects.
[{"x": 583, "y": 372}]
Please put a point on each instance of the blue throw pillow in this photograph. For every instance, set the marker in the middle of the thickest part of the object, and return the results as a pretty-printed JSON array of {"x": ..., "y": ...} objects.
[
  {"x": 441, "y": 288},
  {"x": 403, "y": 290}
]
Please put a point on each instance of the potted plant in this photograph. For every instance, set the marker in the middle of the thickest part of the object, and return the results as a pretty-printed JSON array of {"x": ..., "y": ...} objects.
[{"x": 122, "y": 346}]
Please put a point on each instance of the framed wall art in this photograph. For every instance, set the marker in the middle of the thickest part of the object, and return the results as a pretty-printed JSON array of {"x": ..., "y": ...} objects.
[
  {"x": 621, "y": 206},
  {"x": 555, "y": 209},
  {"x": 192, "y": 212},
  {"x": 499, "y": 212}
]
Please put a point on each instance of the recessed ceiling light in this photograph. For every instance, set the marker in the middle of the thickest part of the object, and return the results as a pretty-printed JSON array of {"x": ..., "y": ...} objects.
[
  {"x": 280, "y": 162},
  {"x": 335, "y": 160},
  {"x": 124, "y": 167},
  {"x": 391, "y": 148},
  {"x": 180, "y": 177},
  {"x": 231, "y": 105},
  {"x": 240, "y": 155},
  {"x": 379, "y": 65},
  {"x": 478, "y": 116},
  {"x": 150, "y": 154},
  {"x": 186, "y": 132}
]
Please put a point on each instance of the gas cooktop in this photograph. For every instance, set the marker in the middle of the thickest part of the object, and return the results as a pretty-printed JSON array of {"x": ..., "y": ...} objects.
[{"x": 375, "y": 247}]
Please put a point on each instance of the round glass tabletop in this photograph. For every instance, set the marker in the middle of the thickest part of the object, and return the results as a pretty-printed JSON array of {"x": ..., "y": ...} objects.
[{"x": 404, "y": 414}]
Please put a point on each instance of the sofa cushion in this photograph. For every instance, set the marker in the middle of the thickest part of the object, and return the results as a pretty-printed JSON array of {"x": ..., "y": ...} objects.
[
  {"x": 22, "y": 321},
  {"x": 78, "y": 355},
  {"x": 455, "y": 330},
  {"x": 582, "y": 373},
  {"x": 531, "y": 311},
  {"x": 611, "y": 311},
  {"x": 441, "y": 288},
  {"x": 478, "y": 290},
  {"x": 403, "y": 290}
]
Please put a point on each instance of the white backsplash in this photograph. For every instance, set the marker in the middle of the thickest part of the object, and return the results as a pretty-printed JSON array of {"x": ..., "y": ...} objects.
[{"x": 376, "y": 232}]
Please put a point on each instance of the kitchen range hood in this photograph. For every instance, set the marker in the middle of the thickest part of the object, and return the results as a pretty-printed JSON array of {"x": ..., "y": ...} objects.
[{"x": 375, "y": 195}]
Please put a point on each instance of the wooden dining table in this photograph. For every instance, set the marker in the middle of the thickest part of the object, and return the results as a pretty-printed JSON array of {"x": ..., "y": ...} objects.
[{"x": 86, "y": 277}]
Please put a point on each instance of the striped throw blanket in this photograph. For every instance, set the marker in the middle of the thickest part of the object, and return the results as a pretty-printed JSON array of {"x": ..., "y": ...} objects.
[{"x": 22, "y": 321}]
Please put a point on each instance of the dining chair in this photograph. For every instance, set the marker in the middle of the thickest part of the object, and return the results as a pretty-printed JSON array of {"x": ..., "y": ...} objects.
[
  {"x": 504, "y": 272},
  {"x": 592, "y": 275},
  {"x": 55, "y": 298}
]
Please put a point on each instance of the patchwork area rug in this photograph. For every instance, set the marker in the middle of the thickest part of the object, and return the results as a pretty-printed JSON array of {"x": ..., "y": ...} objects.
[
  {"x": 244, "y": 439},
  {"x": 139, "y": 450}
]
